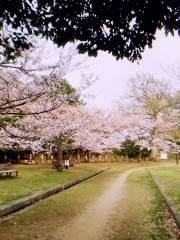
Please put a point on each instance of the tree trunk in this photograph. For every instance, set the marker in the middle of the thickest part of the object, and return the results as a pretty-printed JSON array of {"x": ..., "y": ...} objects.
[
  {"x": 59, "y": 162},
  {"x": 126, "y": 157},
  {"x": 89, "y": 156},
  {"x": 152, "y": 158},
  {"x": 177, "y": 159},
  {"x": 139, "y": 158}
]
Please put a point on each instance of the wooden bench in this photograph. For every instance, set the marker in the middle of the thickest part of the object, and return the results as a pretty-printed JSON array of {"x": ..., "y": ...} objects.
[{"x": 6, "y": 170}]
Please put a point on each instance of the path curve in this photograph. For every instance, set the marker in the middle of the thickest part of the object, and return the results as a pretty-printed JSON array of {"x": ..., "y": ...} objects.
[{"x": 90, "y": 225}]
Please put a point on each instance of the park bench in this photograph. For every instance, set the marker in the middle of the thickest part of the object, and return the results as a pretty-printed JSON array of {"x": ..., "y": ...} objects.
[{"x": 6, "y": 170}]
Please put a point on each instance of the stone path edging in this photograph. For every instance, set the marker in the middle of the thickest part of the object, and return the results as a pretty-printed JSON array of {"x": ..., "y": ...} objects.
[
  {"x": 175, "y": 213},
  {"x": 16, "y": 205}
]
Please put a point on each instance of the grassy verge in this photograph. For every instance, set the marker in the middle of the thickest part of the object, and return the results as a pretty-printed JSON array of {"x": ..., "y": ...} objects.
[
  {"x": 169, "y": 179},
  {"x": 141, "y": 214},
  {"x": 42, "y": 220},
  {"x": 40, "y": 177}
]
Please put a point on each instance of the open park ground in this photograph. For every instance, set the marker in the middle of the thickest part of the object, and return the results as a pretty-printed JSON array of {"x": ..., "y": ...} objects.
[
  {"x": 95, "y": 83},
  {"x": 122, "y": 203}
]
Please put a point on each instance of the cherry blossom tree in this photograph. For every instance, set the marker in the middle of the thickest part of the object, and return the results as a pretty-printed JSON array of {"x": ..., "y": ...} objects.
[
  {"x": 150, "y": 108},
  {"x": 149, "y": 95},
  {"x": 20, "y": 99},
  {"x": 34, "y": 79},
  {"x": 60, "y": 127},
  {"x": 103, "y": 132},
  {"x": 57, "y": 127},
  {"x": 152, "y": 134},
  {"x": 32, "y": 86},
  {"x": 91, "y": 138},
  {"x": 89, "y": 129}
]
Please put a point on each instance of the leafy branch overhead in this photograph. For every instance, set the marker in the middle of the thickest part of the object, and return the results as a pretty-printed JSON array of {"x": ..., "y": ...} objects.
[{"x": 122, "y": 28}]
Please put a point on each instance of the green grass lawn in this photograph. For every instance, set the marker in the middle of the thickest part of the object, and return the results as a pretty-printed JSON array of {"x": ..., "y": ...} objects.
[
  {"x": 42, "y": 220},
  {"x": 141, "y": 215},
  {"x": 169, "y": 179},
  {"x": 39, "y": 177},
  {"x": 34, "y": 178},
  {"x": 143, "y": 210}
]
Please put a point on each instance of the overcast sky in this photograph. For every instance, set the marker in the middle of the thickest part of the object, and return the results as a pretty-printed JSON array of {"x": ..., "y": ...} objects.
[{"x": 113, "y": 75}]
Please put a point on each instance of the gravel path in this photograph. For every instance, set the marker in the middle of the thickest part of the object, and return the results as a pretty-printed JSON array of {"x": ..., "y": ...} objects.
[{"x": 90, "y": 225}]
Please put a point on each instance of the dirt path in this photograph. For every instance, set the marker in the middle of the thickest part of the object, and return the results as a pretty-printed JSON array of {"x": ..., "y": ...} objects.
[
  {"x": 112, "y": 206},
  {"x": 90, "y": 225}
]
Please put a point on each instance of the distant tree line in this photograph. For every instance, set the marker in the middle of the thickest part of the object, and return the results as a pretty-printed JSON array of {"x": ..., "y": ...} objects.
[{"x": 131, "y": 150}]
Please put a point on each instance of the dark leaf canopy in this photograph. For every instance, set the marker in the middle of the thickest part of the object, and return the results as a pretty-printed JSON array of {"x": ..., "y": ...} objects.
[{"x": 121, "y": 27}]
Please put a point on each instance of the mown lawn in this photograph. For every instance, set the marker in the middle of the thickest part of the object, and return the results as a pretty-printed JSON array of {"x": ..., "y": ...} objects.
[
  {"x": 42, "y": 220},
  {"x": 39, "y": 177},
  {"x": 169, "y": 179},
  {"x": 141, "y": 214}
]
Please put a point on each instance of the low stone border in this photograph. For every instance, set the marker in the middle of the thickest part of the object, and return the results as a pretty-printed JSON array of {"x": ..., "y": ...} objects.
[
  {"x": 175, "y": 213},
  {"x": 23, "y": 202}
]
